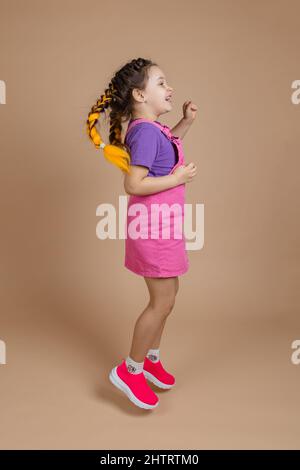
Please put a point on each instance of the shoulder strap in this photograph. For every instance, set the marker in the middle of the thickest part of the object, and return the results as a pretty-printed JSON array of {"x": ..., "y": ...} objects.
[
  {"x": 164, "y": 128},
  {"x": 137, "y": 121}
]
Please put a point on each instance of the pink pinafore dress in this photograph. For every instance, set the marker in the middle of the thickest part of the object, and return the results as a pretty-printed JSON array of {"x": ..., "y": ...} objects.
[{"x": 160, "y": 249}]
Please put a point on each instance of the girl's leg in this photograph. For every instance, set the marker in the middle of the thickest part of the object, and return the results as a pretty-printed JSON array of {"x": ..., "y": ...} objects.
[
  {"x": 156, "y": 342},
  {"x": 148, "y": 325}
]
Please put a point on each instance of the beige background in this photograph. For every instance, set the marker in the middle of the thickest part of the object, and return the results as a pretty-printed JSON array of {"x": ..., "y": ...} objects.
[{"x": 68, "y": 305}]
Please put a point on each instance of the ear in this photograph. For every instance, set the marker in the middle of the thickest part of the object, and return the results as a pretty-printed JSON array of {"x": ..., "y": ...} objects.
[{"x": 138, "y": 95}]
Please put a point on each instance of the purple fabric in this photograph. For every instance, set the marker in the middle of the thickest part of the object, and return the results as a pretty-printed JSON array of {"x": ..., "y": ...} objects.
[{"x": 149, "y": 147}]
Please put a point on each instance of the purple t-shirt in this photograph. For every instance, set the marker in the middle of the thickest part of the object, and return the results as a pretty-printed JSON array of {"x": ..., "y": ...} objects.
[{"x": 151, "y": 148}]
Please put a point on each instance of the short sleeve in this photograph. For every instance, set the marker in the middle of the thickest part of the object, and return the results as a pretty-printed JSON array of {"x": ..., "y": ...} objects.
[{"x": 144, "y": 144}]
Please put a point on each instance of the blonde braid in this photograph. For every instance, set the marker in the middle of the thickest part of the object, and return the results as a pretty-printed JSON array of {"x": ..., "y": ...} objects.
[{"x": 114, "y": 154}]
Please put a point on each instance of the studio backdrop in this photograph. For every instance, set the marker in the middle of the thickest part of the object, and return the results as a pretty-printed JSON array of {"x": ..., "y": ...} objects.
[{"x": 68, "y": 303}]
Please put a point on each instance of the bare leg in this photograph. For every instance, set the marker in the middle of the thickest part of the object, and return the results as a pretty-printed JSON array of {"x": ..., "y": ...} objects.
[
  {"x": 157, "y": 340},
  {"x": 149, "y": 324}
]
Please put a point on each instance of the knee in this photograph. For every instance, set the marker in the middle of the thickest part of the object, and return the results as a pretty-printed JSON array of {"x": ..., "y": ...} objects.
[{"x": 165, "y": 306}]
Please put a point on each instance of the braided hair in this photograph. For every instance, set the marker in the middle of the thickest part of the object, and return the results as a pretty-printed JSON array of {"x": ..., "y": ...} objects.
[{"x": 118, "y": 97}]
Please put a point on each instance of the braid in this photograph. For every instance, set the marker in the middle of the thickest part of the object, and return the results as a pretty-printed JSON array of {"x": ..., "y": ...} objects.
[
  {"x": 112, "y": 153},
  {"x": 118, "y": 97},
  {"x": 93, "y": 116}
]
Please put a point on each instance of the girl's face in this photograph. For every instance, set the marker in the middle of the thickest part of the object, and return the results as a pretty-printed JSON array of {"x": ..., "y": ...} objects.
[{"x": 157, "y": 94}]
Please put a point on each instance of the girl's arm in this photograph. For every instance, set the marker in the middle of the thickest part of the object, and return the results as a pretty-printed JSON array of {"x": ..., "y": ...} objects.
[
  {"x": 189, "y": 110},
  {"x": 138, "y": 183},
  {"x": 181, "y": 128}
]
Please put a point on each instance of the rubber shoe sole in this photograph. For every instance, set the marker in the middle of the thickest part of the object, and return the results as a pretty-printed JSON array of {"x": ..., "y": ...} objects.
[
  {"x": 120, "y": 384},
  {"x": 156, "y": 382}
]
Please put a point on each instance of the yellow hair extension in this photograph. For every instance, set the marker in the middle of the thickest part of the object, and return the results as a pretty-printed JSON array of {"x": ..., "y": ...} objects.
[{"x": 115, "y": 155}]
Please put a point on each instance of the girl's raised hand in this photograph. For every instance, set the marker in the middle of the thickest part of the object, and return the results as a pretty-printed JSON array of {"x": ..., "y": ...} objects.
[{"x": 189, "y": 111}]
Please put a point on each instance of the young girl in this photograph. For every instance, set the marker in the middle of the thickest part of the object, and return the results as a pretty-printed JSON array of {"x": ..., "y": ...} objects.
[{"x": 152, "y": 160}]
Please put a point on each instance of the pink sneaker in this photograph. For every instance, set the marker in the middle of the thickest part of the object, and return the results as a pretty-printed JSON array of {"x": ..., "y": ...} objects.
[
  {"x": 155, "y": 372},
  {"x": 134, "y": 386}
]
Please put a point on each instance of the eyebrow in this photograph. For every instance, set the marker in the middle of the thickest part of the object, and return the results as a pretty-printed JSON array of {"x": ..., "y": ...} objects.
[{"x": 161, "y": 77}]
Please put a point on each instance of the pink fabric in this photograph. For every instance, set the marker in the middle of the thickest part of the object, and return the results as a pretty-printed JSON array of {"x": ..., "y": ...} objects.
[{"x": 158, "y": 257}]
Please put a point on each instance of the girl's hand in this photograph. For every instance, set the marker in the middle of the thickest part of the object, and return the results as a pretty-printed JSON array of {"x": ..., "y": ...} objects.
[
  {"x": 185, "y": 173},
  {"x": 189, "y": 111}
]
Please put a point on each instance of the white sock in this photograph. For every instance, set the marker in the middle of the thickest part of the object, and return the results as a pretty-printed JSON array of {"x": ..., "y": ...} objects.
[
  {"x": 134, "y": 367},
  {"x": 153, "y": 355}
]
